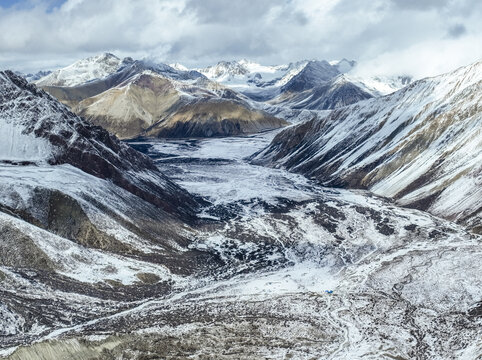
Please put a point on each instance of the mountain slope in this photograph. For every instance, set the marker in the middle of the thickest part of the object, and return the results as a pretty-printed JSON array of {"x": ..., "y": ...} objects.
[
  {"x": 420, "y": 146},
  {"x": 87, "y": 223},
  {"x": 38, "y": 129}
]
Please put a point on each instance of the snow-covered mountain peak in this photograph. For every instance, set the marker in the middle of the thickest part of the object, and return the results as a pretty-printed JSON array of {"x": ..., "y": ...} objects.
[
  {"x": 314, "y": 73},
  {"x": 178, "y": 66},
  {"x": 82, "y": 71},
  {"x": 224, "y": 70}
]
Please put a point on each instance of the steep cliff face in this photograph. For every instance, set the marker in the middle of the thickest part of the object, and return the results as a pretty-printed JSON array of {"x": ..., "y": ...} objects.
[{"x": 420, "y": 145}]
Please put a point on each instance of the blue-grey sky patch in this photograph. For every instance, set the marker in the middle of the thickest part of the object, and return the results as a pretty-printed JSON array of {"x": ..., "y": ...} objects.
[
  {"x": 421, "y": 4},
  {"x": 457, "y": 30}
]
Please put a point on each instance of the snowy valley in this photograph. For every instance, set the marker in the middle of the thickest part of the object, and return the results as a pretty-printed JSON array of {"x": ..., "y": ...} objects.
[{"x": 275, "y": 212}]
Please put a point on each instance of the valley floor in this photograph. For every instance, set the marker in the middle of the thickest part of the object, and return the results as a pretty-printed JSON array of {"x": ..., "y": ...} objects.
[{"x": 307, "y": 273}]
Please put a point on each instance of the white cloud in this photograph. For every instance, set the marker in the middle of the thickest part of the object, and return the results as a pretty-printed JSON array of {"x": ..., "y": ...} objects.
[{"x": 391, "y": 36}]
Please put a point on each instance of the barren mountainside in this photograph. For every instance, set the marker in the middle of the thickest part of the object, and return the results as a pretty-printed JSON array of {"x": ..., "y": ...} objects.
[{"x": 154, "y": 106}]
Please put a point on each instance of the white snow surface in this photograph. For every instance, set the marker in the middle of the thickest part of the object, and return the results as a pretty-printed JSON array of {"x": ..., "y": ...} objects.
[{"x": 15, "y": 145}]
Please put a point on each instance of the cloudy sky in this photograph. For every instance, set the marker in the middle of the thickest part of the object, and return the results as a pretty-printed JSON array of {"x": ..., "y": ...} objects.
[{"x": 413, "y": 37}]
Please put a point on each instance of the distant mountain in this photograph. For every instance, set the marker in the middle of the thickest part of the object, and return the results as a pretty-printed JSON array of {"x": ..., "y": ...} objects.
[
  {"x": 380, "y": 85},
  {"x": 321, "y": 86},
  {"x": 244, "y": 74},
  {"x": 82, "y": 71},
  {"x": 149, "y": 104},
  {"x": 308, "y": 84},
  {"x": 314, "y": 73},
  {"x": 235, "y": 93},
  {"x": 344, "y": 65},
  {"x": 178, "y": 66},
  {"x": 225, "y": 70},
  {"x": 30, "y": 77},
  {"x": 420, "y": 145},
  {"x": 335, "y": 93}
]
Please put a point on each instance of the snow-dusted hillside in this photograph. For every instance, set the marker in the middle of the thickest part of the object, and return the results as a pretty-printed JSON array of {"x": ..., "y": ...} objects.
[
  {"x": 421, "y": 145},
  {"x": 86, "y": 222},
  {"x": 149, "y": 104},
  {"x": 82, "y": 71}
]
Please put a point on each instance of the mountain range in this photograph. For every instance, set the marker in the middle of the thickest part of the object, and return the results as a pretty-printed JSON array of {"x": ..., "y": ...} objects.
[
  {"x": 137, "y": 98},
  {"x": 133, "y": 98}
]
